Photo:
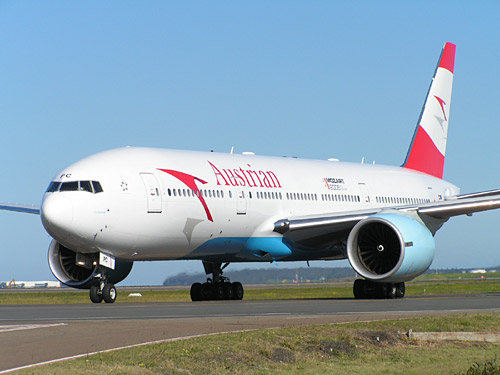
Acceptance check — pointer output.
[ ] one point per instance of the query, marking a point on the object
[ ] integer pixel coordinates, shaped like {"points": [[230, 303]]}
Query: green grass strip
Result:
{"points": [[424, 288]]}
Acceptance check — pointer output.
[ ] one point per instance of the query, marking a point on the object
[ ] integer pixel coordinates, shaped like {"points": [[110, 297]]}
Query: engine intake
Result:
{"points": [[390, 247], [77, 270]]}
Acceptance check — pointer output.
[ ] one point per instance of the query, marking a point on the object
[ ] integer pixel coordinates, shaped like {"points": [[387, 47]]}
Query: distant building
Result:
{"points": [[29, 284]]}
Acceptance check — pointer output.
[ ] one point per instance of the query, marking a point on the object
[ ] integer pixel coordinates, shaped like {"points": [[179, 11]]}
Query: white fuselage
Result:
{"points": [[166, 204]]}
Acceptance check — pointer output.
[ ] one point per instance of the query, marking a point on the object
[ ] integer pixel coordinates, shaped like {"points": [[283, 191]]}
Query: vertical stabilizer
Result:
{"points": [[428, 147]]}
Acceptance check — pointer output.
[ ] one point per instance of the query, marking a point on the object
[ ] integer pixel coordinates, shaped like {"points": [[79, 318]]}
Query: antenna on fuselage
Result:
{"points": [[232, 149]]}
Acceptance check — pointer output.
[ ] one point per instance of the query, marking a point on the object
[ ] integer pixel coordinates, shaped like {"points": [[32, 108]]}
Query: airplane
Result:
{"points": [[132, 204]]}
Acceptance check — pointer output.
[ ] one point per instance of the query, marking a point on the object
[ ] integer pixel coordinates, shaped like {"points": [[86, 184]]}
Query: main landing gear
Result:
{"points": [[365, 289], [218, 287], [103, 291]]}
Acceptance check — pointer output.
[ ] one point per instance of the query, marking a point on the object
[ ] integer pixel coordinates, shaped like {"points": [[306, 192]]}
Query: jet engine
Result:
{"points": [[390, 247], [78, 270]]}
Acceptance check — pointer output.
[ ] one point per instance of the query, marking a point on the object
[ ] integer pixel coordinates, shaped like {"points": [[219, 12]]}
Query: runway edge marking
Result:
{"points": [[24, 327]]}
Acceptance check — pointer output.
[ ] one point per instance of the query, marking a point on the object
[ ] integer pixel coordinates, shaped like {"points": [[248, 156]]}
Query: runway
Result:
{"points": [[32, 334]]}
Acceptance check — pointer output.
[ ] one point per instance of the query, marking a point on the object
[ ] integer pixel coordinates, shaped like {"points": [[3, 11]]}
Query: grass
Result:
{"points": [[418, 287], [458, 276], [354, 348]]}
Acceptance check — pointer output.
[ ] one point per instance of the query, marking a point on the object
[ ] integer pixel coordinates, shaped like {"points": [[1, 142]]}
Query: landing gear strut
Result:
{"points": [[103, 291], [218, 287], [365, 289]]}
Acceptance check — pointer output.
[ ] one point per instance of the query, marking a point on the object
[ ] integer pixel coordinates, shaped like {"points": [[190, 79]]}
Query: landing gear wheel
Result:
{"points": [[218, 291], [196, 292], [391, 291], [400, 290], [359, 289], [109, 293], [95, 296], [237, 291], [228, 291], [381, 291], [205, 292], [368, 289]]}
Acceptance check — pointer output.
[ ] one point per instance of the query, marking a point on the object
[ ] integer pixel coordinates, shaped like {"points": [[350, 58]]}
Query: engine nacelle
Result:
{"points": [[390, 247], [78, 270]]}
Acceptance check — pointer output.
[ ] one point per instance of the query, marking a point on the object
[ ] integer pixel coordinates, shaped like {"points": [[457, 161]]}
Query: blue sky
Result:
{"points": [[313, 79]]}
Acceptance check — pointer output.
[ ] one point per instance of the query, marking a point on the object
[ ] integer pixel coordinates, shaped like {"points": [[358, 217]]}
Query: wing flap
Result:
{"points": [[462, 206]]}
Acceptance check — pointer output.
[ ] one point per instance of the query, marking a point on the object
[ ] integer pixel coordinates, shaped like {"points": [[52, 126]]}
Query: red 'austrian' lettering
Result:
{"points": [[245, 177]]}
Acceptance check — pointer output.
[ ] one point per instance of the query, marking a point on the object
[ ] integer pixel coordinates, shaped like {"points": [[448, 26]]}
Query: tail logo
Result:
{"points": [[442, 104], [190, 182]]}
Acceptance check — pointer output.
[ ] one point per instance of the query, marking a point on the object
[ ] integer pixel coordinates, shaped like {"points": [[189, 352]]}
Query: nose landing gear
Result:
{"points": [[103, 291]]}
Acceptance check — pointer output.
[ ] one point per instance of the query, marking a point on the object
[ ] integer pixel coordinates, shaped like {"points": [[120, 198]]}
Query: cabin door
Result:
{"points": [[152, 191]]}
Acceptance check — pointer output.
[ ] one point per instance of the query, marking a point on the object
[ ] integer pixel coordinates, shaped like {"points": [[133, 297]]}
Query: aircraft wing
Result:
{"points": [[326, 230], [27, 209]]}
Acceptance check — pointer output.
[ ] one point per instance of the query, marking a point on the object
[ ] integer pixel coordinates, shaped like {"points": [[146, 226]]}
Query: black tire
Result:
{"points": [[359, 289], [218, 291], [228, 291], [196, 292], [391, 291], [95, 296], [400, 290], [109, 293], [237, 291], [381, 291], [205, 292]]}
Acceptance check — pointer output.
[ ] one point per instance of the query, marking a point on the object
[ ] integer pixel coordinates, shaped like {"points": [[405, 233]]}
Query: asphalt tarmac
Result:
{"points": [[38, 333]]}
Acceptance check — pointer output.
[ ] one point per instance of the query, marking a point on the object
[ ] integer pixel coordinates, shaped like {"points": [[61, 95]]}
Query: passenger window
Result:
{"points": [[97, 187], [169, 192], [69, 186], [85, 186]]}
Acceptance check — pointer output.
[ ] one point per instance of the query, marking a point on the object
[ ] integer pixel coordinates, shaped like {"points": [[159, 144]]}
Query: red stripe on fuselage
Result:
{"points": [[424, 155]]}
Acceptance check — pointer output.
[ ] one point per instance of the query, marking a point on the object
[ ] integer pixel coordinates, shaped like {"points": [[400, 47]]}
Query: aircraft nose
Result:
{"points": [[57, 215]]}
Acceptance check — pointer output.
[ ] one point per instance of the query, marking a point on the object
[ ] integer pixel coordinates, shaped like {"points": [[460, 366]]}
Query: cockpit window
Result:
{"points": [[69, 186], [88, 186], [54, 186], [97, 187]]}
